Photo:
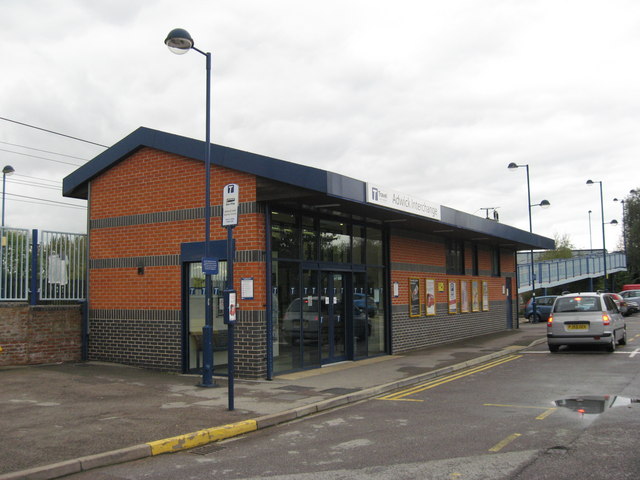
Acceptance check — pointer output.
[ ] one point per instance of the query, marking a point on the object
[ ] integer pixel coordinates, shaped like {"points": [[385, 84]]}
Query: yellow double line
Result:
{"points": [[400, 395]]}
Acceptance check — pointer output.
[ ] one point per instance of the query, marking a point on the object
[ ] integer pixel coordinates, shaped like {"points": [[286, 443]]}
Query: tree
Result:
{"points": [[631, 232], [564, 248]]}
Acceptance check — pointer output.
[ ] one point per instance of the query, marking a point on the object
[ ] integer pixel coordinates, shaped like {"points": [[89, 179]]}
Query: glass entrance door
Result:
{"points": [[332, 317], [195, 318]]}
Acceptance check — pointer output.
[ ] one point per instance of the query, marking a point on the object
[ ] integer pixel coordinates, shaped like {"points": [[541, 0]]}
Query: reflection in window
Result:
{"points": [[495, 262], [335, 242], [196, 319], [455, 257], [285, 238], [286, 290], [358, 244], [374, 246], [309, 238]]}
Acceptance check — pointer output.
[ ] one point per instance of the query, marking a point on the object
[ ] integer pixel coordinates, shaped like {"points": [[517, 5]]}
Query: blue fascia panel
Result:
{"points": [[347, 188], [484, 226]]}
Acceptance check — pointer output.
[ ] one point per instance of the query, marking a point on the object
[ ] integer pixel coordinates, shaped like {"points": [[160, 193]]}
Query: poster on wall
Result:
{"points": [[414, 297], [464, 296], [475, 296], [431, 297], [453, 297], [485, 296]]}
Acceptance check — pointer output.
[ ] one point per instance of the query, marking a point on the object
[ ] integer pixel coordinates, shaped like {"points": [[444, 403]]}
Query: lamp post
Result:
{"points": [[180, 42], [543, 204], [612, 222], [624, 223], [590, 240], [7, 170]]}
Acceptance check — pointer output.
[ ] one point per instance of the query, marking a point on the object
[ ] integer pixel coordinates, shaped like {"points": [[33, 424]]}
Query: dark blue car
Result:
{"points": [[543, 309]]}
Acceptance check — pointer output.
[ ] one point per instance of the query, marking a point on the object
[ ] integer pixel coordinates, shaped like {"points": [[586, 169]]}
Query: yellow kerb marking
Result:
{"points": [[201, 437]]}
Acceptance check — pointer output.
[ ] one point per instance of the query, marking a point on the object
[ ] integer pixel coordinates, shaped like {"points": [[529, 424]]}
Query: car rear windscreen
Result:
{"points": [[577, 304]]}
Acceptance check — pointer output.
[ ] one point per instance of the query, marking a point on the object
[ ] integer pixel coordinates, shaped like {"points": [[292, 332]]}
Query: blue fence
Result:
{"points": [[551, 273]]}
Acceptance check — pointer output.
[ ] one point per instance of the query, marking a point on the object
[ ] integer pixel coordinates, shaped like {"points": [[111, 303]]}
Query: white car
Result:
{"points": [[586, 319]]}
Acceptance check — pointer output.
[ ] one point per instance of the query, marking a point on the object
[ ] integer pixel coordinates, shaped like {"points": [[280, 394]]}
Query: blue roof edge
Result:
{"points": [[311, 178]]}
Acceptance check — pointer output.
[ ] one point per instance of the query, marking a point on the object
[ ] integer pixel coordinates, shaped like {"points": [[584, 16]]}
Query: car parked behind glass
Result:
{"points": [[543, 308], [586, 319]]}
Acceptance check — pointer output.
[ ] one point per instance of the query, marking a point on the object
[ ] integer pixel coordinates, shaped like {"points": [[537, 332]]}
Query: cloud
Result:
{"points": [[433, 98]]}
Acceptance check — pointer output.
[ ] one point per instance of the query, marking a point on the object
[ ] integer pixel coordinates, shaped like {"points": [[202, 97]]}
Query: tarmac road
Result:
{"points": [[59, 413]]}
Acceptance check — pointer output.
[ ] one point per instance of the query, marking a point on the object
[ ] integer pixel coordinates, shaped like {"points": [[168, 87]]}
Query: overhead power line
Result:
{"points": [[17, 181], [45, 200], [57, 182], [44, 151], [51, 131], [47, 204], [41, 158]]}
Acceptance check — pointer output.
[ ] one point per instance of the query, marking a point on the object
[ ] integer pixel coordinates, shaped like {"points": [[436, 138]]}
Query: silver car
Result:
{"points": [[632, 297], [586, 319]]}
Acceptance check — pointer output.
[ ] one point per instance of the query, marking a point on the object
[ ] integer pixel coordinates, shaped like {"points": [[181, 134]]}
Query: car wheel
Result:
{"points": [[623, 340], [612, 345], [534, 318], [554, 348]]}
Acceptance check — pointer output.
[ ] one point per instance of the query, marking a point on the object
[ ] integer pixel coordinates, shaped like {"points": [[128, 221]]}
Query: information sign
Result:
{"points": [[230, 202]]}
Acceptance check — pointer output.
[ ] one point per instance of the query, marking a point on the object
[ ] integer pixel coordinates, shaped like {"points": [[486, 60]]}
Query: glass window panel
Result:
{"points": [[375, 310], [287, 311], [358, 244], [309, 238], [335, 242], [374, 246], [285, 236], [363, 309]]}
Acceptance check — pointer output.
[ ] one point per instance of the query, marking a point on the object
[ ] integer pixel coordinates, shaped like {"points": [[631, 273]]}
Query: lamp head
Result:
{"points": [[8, 170], [589, 182], [545, 204], [179, 41], [512, 166], [613, 222]]}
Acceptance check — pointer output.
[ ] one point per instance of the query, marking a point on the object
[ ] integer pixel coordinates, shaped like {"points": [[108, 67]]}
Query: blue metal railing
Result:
{"points": [[551, 273]]}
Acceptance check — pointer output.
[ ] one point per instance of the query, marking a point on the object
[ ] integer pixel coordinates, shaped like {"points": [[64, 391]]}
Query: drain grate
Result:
{"points": [[207, 449]]}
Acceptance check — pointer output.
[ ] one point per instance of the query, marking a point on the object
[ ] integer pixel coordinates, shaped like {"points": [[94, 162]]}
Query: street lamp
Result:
{"points": [[612, 222], [543, 204], [180, 42], [624, 219], [7, 170]]}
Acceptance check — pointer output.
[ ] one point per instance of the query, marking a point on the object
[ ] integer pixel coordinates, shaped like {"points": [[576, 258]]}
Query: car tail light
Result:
{"points": [[605, 319], [550, 321]]}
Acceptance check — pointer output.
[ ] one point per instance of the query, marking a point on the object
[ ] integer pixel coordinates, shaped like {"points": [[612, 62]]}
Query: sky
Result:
{"points": [[430, 98]]}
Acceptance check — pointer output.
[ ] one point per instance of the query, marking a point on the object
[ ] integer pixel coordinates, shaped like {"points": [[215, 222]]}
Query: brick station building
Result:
{"points": [[327, 268]]}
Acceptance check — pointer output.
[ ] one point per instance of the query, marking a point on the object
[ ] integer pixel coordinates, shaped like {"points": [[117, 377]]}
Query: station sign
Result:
{"points": [[386, 197], [230, 202]]}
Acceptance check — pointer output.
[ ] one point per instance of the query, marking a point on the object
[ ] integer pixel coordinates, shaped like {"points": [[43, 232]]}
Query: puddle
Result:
{"points": [[594, 404]]}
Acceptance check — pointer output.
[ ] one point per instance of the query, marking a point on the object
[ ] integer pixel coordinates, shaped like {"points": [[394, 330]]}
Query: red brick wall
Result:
{"points": [[144, 184], [42, 334], [422, 258]]}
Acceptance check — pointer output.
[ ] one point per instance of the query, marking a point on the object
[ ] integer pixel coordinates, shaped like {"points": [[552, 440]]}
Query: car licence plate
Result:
{"points": [[578, 326]]}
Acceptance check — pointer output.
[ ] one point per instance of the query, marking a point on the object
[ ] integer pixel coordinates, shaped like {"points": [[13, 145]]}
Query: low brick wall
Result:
{"points": [[31, 335]]}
